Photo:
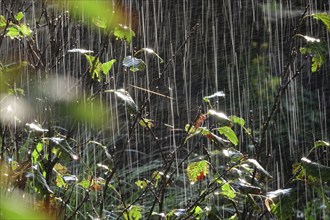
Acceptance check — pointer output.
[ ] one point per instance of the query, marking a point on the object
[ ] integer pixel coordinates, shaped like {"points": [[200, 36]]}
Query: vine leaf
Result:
{"points": [[197, 171], [95, 65], [134, 212], [19, 16], [227, 191]]}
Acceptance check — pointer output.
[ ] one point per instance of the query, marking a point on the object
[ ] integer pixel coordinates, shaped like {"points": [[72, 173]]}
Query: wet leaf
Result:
{"points": [[60, 168], [106, 67], [3, 22], [95, 66], [196, 171], [227, 191], [19, 16], [13, 32], [36, 152], [246, 188], [82, 51], [142, 183], [319, 144], [125, 96], [146, 123], [36, 127], [220, 117], [123, 32], [134, 212], [25, 31], [60, 182], [318, 51], [237, 120], [217, 94], [134, 64], [201, 118], [316, 170], [151, 51], [229, 133], [324, 17], [259, 167], [309, 39]]}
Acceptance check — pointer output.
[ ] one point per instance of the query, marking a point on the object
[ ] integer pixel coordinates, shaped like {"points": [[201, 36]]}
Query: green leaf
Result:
{"points": [[319, 144], [217, 94], [95, 66], [134, 212], [13, 32], [259, 167], [196, 171], [19, 16], [123, 32], [142, 183], [36, 152], [151, 51], [3, 22], [106, 67], [316, 170], [318, 51], [134, 64], [145, 122], [25, 30], [227, 191], [99, 22], [237, 120], [60, 181], [84, 183], [324, 17], [229, 133]]}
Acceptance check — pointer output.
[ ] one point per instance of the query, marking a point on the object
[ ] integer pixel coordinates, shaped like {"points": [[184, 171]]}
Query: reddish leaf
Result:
{"points": [[201, 176], [199, 121]]}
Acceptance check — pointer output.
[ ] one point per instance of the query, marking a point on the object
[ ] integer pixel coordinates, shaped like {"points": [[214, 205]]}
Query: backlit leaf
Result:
{"points": [[237, 120], [125, 96], [196, 171], [314, 169], [123, 32], [145, 122], [141, 183], [217, 94], [13, 32], [227, 191], [95, 66], [318, 51], [229, 133], [106, 67], [19, 16], [151, 51], [220, 117]]}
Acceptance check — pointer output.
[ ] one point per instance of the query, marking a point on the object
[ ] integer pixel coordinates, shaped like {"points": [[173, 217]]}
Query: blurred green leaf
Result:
{"points": [[25, 31], [99, 22], [141, 183], [145, 122], [319, 144], [3, 22], [19, 16]]}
